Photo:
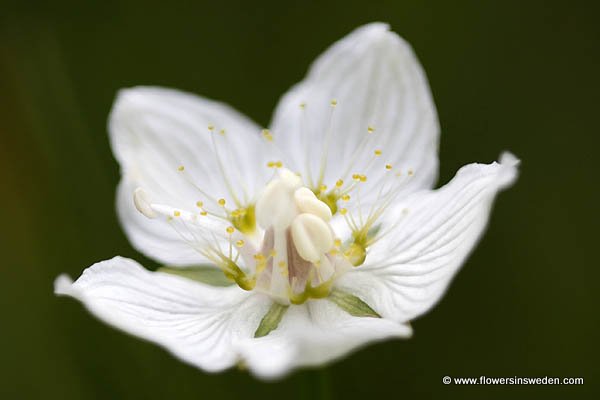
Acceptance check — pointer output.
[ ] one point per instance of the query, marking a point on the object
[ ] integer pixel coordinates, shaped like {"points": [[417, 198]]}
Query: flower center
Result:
{"points": [[298, 256]]}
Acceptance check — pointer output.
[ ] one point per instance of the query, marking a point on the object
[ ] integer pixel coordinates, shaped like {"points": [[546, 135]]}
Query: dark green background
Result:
{"points": [[505, 75]]}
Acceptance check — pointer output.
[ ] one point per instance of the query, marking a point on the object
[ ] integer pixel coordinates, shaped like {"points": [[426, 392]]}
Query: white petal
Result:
{"points": [[155, 131], [197, 323], [377, 82], [426, 239], [312, 334]]}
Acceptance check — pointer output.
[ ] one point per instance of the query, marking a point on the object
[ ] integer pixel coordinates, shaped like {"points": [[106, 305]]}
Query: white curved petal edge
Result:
{"points": [[197, 323], [155, 132], [315, 333], [425, 240], [213, 328], [377, 82]]}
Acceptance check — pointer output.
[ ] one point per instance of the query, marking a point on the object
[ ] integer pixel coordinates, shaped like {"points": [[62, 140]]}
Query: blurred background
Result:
{"points": [[505, 75]]}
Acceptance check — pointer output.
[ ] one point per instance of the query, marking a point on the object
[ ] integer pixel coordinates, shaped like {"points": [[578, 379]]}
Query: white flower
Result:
{"points": [[326, 223]]}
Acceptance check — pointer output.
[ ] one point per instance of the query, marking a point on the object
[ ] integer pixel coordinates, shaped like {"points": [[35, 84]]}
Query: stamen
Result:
{"points": [[222, 168], [142, 202], [327, 143]]}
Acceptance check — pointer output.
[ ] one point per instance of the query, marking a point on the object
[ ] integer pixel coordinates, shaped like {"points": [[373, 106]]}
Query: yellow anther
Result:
{"points": [[180, 168], [333, 103], [273, 253], [337, 242], [322, 188], [267, 135], [346, 197], [203, 213], [377, 152], [370, 129], [362, 178], [274, 164], [230, 229], [356, 177], [235, 213], [199, 204], [303, 105], [343, 211], [410, 172], [259, 257], [240, 243], [176, 213], [211, 128], [221, 202], [222, 132], [281, 264], [339, 183], [388, 166]]}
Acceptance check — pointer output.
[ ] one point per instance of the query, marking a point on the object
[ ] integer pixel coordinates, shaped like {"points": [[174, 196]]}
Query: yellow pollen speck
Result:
{"points": [[199, 204], [377, 152], [339, 183], [337, 242], [346, 197], [274, 164], [370, 129], [333, 103], [281, 263], [203, 213], [176, 213], [230, 229], [303, 105], [343, 211], [267, 135], [180, 168], [222, 132], [388, 166], [222, 202], [239, 243], [211, 128]]}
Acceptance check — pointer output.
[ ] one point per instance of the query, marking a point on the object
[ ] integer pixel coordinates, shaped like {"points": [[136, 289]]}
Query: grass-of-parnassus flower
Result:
{"points": [[293, 245]]}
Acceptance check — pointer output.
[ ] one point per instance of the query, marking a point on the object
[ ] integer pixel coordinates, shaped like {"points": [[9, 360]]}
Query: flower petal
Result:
{"points": [[314, 333], [377, 82], [425, 239], [162, 141], [197, 323]]}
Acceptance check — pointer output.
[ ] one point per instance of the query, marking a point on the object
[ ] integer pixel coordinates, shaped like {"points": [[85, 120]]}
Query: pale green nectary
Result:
{"points": [[291, 246]]}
